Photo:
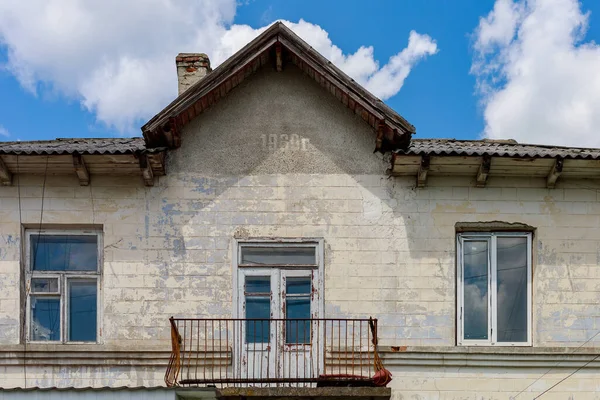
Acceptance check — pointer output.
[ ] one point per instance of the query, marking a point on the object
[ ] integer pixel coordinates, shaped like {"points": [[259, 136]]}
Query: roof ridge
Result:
{"points": [[82, 139], [102, 138], [507, 142], [110, 145]]}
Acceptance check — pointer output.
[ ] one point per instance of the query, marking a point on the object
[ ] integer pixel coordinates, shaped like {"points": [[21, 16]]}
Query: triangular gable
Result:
{"points": [[277, 46]]}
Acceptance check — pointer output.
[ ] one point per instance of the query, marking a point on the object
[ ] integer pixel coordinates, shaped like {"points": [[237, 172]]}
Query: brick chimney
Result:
{"points": [[191, 67]]}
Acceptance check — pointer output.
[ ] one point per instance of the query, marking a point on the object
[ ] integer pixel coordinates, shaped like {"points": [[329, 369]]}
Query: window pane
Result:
{"points": [[512, 289], [258, 308], [297, 285], [45, 318], [64, 252], [297, 331], [475, 256], [279, 255], [82, 311], [44, 285], [258, 284]]}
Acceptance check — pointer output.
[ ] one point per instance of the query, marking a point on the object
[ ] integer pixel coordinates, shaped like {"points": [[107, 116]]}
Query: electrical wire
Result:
{"points": [[18, 175], [557, 364], [54, 318], [93, 208], [568, 376], [36, 249]]}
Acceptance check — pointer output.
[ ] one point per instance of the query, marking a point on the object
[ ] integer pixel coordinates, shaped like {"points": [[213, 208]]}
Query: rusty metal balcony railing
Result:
{"points": [[275, 352]]}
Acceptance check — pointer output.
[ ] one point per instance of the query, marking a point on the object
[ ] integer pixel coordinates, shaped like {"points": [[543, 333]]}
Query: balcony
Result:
{"points": [[275, 353]]}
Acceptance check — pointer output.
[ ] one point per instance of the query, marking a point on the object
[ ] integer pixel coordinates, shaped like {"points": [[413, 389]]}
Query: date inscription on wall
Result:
{"points": [[274, 142]]}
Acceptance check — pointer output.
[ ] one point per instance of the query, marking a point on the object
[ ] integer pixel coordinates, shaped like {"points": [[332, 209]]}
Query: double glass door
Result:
{"points": [[277, 335], [278, 304]]}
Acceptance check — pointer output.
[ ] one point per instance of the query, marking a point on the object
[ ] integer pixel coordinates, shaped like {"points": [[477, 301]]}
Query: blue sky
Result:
{"points": [[440, 95]]}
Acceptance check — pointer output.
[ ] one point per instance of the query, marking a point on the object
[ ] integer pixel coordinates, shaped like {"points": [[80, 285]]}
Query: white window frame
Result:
{"points": [[64, 277], [491, 238]]}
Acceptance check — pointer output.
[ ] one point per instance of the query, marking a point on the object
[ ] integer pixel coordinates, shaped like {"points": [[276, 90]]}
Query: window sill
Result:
{"points": [[81, 347], [43, 345], [490, 356], [494, 346], [73, 356], [481, 349]]}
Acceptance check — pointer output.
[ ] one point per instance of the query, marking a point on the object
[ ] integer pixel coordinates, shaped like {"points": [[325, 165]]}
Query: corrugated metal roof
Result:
{"points": [[87, 389], [79, 145], [105, 393], [498, 148]]}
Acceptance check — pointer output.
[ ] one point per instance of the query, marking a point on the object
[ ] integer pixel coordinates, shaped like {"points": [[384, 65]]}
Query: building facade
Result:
{"points": [[256, 214]]}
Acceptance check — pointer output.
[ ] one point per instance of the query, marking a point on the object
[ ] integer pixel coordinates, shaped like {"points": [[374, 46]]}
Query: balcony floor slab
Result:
{"points": [[300, 393]]}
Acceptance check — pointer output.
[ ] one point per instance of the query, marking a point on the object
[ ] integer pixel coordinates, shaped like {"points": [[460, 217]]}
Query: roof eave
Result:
{"points": [[81, 157], [481, 159]]}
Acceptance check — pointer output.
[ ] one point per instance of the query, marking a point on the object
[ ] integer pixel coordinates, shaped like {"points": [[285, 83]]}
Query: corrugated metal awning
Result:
{"points": [[107, 393]]}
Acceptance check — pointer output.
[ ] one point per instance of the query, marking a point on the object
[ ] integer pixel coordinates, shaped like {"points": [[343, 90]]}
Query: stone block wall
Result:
{"points": [[389, 248], [389, 253]]}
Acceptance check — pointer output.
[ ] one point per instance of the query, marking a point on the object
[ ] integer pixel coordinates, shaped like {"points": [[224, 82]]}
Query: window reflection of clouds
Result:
{"points": [[475, 258], [512, 289]]}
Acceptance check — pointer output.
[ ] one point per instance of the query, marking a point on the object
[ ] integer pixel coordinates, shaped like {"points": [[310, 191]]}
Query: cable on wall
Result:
{"points": [[27, 289], [24, 324]]}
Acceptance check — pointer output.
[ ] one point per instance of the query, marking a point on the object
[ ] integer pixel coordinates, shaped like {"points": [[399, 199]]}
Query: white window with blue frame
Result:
{"points": [[63, 269]]}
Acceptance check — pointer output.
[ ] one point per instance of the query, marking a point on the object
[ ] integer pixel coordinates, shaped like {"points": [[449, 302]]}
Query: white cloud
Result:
{"points": [[4, 132], [384, 82], [388, 80], [537, 78], [117, 57]]}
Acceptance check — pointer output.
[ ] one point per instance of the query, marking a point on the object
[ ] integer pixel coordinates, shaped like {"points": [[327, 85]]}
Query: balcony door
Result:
{"points": [[279, 296]]}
